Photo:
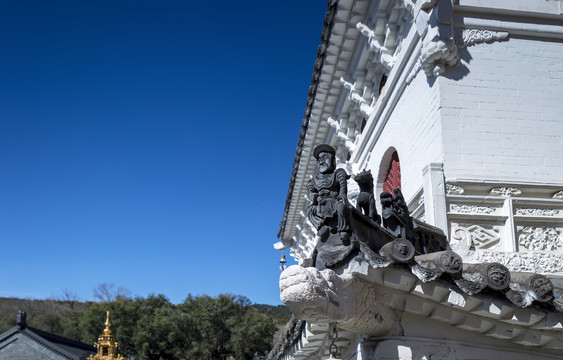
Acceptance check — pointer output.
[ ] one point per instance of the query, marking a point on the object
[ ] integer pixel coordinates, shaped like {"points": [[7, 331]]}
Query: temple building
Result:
{"points": [[24, 343], [446, 115]]}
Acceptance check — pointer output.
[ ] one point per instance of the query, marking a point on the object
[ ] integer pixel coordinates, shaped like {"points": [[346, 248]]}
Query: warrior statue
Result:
{"points": [[329, 192]]}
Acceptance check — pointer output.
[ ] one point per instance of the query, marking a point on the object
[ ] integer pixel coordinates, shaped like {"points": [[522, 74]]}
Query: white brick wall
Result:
{"points": [[503, 119], [414, 130]]}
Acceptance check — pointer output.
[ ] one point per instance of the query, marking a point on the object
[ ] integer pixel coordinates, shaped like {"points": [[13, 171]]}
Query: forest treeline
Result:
{"points": [[152, 328]]}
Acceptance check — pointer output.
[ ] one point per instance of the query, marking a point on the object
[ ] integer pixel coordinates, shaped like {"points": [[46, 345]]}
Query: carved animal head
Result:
{"points": [[310, 293], [365, 180]]}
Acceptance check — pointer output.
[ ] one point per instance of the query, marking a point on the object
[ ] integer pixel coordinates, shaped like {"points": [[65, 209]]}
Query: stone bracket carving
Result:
{"points": [[439, 51], [356, 98], [347, 141], [469, 37], [384, 55]]}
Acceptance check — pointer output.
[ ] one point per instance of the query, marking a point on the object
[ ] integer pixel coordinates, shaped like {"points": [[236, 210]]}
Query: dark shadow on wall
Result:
{"points": [[459, 72]]}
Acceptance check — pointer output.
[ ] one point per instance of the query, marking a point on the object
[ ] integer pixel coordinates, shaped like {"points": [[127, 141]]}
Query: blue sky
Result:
{"points": [[149, 143]]}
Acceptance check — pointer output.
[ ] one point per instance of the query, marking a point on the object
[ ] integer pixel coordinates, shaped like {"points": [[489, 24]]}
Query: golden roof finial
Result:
{"points": [[107, 330], [106, 345]]}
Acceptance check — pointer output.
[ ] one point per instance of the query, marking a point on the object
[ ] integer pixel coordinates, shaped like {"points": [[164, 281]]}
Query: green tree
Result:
{"points": [[226, 327], [159, 333], [124, 316], [253, 334]]}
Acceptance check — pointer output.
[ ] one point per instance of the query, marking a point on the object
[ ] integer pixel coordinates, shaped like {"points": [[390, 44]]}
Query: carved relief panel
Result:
{"points": [[519, 226]]}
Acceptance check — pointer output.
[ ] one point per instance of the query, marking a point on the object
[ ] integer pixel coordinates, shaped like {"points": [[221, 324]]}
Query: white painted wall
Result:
{"points": [[414, 130], [503, 119]]}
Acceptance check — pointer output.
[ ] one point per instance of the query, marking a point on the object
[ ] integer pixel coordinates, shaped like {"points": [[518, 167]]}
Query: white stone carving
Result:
{"points": [[505, 191], [544, 263], [468, 37], [384, 55], [437, 56], [324, 296], [472, 209], [476, 235], [539, 238], [537, 212], [341, 135], [558, 195], [355, 97], [454, 189]]}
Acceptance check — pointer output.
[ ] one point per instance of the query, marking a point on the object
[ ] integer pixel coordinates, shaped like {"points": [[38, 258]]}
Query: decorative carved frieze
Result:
{"points": [[471, 209], [452, 189], [480, 237], [537, 212], [505, 191], [468, 37], [558, 195], [539, 238], [533, 262]]}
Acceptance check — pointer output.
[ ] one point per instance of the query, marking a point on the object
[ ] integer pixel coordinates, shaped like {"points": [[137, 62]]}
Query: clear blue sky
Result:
{"points": [[149, 143]]}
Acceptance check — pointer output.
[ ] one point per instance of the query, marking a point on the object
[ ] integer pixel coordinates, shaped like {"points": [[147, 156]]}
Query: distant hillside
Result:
{"points": [[279, 313], [35, 309]]}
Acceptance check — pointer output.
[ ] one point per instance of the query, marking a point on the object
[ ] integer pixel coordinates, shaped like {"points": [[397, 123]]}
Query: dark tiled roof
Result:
{"points": [[69, 349]]}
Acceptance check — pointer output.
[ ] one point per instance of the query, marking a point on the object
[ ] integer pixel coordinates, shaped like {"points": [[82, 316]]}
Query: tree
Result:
{"points": [[253, 334], [225, 327], [124, 317], [160, 331], [105, 292]]}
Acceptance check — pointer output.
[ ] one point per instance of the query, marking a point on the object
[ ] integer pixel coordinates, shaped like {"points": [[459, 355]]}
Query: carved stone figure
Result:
{"points": [[366, 198], [328, 190], [393, 215], [397, 221]]}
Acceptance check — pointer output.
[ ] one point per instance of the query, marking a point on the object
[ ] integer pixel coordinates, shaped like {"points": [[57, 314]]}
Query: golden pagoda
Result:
{"points": [[106, 345]]}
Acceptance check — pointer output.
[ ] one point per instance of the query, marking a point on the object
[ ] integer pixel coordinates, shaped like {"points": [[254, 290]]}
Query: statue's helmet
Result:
{"points": [[323, 148]]}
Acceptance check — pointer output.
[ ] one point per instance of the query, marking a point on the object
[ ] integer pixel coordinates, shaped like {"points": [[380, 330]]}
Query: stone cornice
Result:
{"points": [[398, 293]]}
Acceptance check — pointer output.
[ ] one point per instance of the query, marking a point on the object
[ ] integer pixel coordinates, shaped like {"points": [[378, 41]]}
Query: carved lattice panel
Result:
{"points": [[478, 236]]}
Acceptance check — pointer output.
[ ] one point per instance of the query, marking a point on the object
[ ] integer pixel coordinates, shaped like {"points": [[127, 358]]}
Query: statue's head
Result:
{"points": [[325, 155], [386, 200]]}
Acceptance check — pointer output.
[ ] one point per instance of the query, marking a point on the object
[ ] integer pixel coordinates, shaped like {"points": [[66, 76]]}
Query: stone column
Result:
{"points": [[434, 188]]}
